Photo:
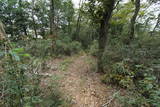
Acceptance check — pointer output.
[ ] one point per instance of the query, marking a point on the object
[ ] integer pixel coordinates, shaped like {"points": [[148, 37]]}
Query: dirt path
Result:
{"points": [[82, 85]]}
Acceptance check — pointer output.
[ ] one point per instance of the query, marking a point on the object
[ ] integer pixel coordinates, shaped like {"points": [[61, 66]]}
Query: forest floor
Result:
{"points": [[80, 83]]}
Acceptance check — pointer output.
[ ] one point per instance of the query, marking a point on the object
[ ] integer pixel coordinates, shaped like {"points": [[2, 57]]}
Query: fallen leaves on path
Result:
{"points": [[82, 85]]}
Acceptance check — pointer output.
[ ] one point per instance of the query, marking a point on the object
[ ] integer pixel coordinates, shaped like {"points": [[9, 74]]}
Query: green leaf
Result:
{"points": [[18, 50], [14, 56], [149, 86], [2, 54], [26, 55]]}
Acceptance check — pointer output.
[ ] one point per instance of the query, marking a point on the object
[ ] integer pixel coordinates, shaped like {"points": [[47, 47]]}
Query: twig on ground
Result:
{"points": [[112, 98]]}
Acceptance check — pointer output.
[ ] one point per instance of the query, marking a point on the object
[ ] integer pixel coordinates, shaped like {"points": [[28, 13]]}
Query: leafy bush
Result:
{"points": [[132, 99], [120, 75], [39, 48], [111, 56], [94, 48], [64, 65], [145, 94], [137, 79], [66, 47], [19, 84], [20, 81], [52, 96], [135, 68], [150, 90]]}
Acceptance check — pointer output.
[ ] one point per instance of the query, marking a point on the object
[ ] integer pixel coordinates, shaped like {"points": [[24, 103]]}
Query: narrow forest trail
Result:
{"points": [[81, 84]]}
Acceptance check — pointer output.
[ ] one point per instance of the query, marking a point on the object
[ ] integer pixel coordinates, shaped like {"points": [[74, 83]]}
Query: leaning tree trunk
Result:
{"points": [[103, 33], [133, 20], [2, 32], [157, 25]]}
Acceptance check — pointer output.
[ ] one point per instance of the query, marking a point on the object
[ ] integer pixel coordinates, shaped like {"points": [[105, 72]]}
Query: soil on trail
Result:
{"points": [[81, 84]]}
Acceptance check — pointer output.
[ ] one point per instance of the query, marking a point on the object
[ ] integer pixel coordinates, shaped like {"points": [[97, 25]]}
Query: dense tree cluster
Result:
{"points": [[34, 17]]}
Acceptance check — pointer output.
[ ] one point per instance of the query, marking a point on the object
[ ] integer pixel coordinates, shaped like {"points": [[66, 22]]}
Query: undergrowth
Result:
{"points": [[20, 79], [64, 65], [134, 68]]}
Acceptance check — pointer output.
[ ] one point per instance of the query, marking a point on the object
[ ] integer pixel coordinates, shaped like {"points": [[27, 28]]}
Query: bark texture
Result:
{"points": [[157, 24], [133, 20], [78, 26], [52, 26], [2, 32], [103, 32], [33, 19]]}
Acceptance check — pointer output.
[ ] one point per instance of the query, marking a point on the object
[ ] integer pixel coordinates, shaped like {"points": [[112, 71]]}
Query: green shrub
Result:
{"points": [[52, 96], [139, 80], [20, 85], [66, 47], [150, 90], [39, 48], [64, 65], [132, 99], [94, 48], [135, 67], [42, 48], [120, 75], [75, 46]]}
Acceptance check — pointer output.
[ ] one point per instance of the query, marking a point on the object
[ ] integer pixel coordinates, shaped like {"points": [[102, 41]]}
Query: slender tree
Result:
{"points": [[22, 17], [133, 20], [78, 27], [157, 25], [33, 19], [2, 32], [52, 17]]}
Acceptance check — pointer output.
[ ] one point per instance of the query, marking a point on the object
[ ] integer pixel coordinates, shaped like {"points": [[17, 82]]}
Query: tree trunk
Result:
{"points": [[133, 20], [24, 27], [2, 32], [12, 30], [78, 27], [35, 30], [103, 33], [52, 23], [25, 30], [69, 27], [52, 28], [34, 23]]}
